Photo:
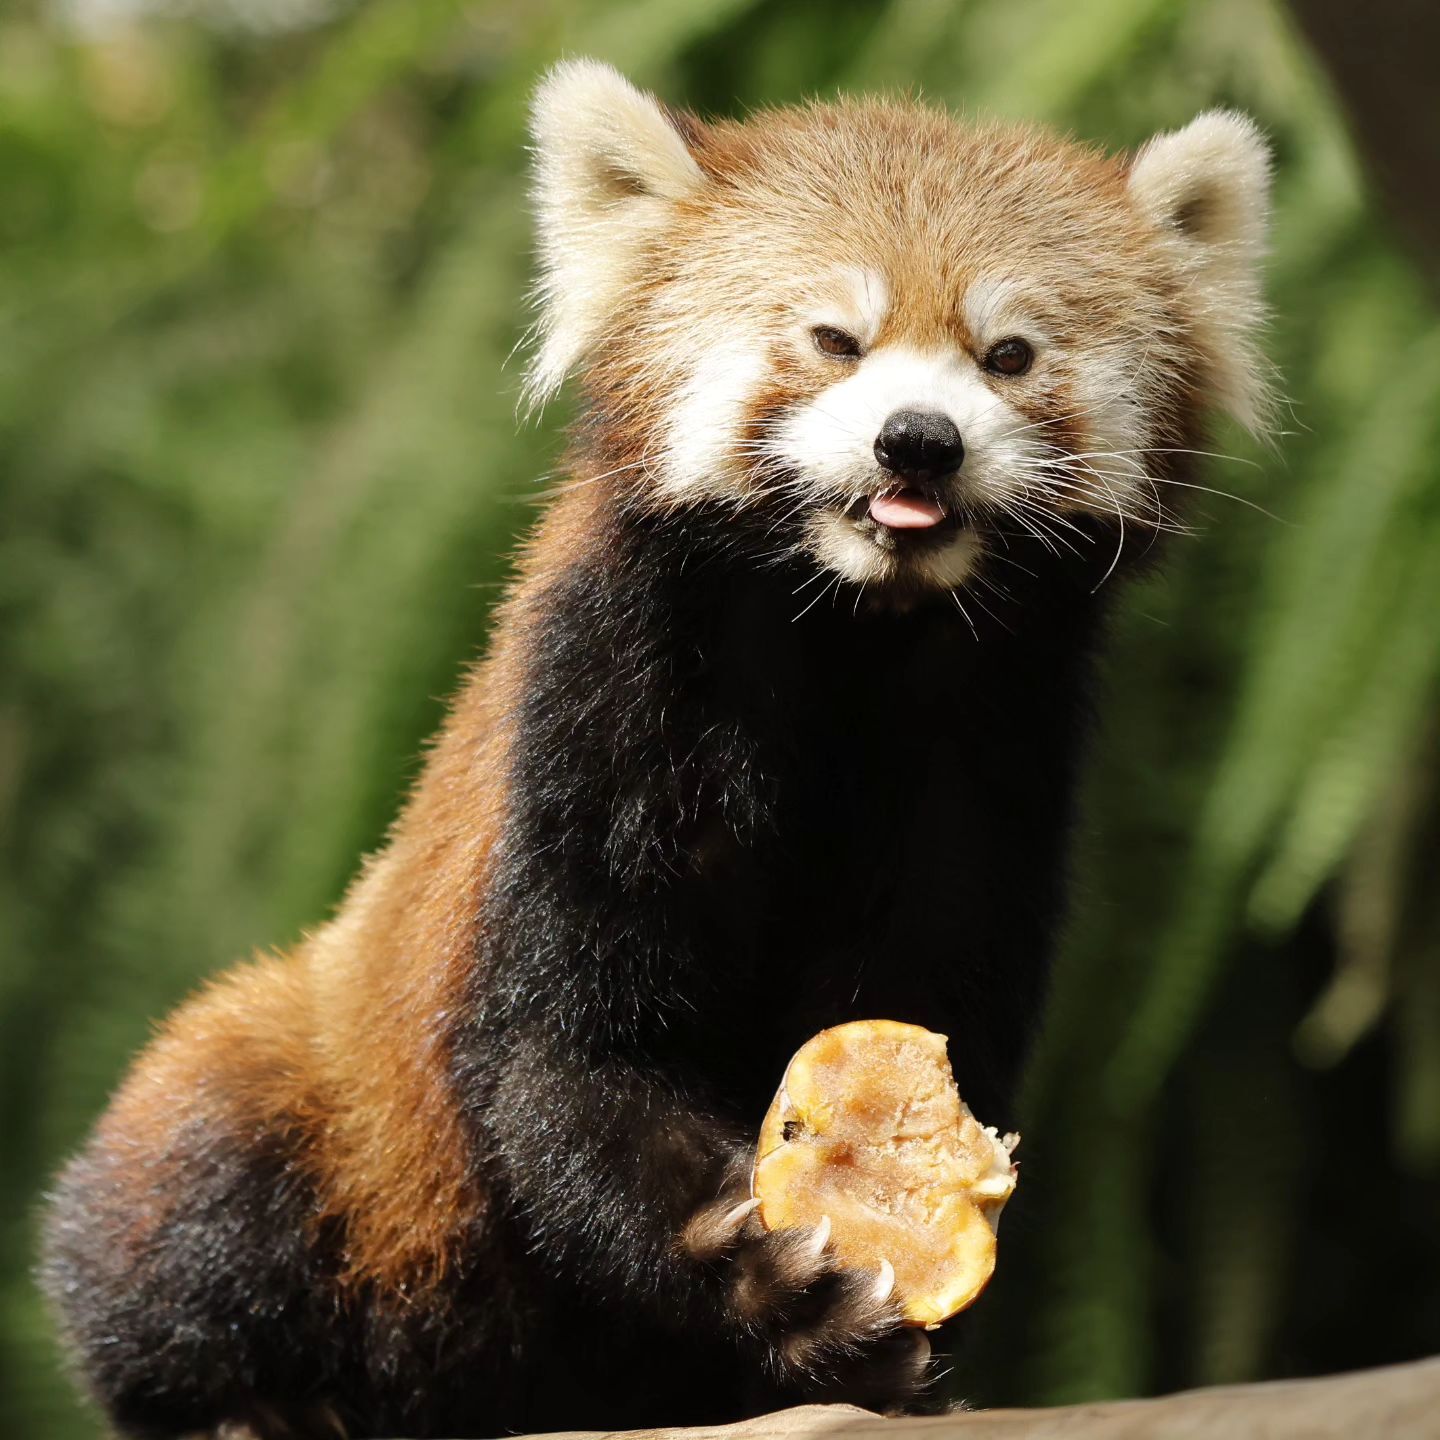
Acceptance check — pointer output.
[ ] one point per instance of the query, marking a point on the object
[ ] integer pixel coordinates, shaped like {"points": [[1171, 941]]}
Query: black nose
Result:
{"points": [[920, 445]]}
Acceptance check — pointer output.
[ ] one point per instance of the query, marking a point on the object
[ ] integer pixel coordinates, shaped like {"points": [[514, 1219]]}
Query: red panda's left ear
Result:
{"points": [[1206, 188], [610, 165]]}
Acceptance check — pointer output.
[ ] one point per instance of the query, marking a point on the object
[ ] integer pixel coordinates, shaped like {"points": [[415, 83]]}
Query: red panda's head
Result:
{"points": [[905, 335]]}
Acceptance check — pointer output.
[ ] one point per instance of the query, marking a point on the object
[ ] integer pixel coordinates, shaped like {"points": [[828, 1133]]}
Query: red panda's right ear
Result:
{"points": [[609, 166]]}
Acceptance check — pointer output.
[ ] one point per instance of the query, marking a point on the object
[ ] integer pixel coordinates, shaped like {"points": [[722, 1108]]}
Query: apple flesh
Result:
{"points": [[868, 1139]]}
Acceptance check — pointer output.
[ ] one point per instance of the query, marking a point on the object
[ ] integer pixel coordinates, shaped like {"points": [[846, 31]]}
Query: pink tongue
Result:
{"points": [[905, 510]]}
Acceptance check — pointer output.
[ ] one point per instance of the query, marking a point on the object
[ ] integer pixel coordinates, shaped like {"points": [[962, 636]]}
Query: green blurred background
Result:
{"points": [[261, 268]]}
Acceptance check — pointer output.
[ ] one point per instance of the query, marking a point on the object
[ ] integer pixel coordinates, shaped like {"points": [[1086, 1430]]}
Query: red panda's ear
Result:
{"points": [[1206, 188], [610, 163]]}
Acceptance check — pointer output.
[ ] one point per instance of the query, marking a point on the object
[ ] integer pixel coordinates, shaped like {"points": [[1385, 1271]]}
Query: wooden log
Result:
{"points": [[1398, 1402]]}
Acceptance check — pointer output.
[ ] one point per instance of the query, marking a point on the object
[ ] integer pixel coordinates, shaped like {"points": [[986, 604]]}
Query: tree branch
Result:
{"points": [[1399, 1400]]}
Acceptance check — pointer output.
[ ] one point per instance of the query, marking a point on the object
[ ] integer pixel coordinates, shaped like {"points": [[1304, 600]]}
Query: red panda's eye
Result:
{"points": [[1009, 357], [830, 341]]}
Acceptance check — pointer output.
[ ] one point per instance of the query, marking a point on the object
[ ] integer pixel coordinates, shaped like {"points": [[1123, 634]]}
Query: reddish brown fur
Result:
{"points": [[966, 201], [298, 1034], [391, 1157], [345, 1082], [347, 1036]]}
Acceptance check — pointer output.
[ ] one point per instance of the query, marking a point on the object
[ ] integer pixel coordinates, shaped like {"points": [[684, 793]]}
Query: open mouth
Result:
{"points": [[905, 513]]}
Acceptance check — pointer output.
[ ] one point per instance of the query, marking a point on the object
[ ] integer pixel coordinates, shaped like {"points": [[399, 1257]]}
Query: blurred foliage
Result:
{"points": [[262, 269]]}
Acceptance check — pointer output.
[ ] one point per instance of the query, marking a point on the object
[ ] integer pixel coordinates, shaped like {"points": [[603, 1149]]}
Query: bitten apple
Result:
{"points": [[868, 1139]]}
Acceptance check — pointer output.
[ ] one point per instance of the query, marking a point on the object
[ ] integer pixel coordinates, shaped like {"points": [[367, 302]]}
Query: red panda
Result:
{"points": [[779, 728]]}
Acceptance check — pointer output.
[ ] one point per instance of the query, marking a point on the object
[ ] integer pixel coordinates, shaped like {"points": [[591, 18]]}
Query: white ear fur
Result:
{"points": [[1207, 187], [609, 165]]}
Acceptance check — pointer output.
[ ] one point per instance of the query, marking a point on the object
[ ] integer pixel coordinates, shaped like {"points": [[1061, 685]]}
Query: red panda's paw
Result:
{"points": [[840, 1337], [827, 1333]]}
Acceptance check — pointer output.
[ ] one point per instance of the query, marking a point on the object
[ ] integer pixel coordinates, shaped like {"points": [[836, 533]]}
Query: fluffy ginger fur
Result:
{"points": [[743, 761]]}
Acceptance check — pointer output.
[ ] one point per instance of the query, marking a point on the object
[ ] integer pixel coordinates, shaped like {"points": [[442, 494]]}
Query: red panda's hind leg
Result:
{"points": [[191, 1284]]}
